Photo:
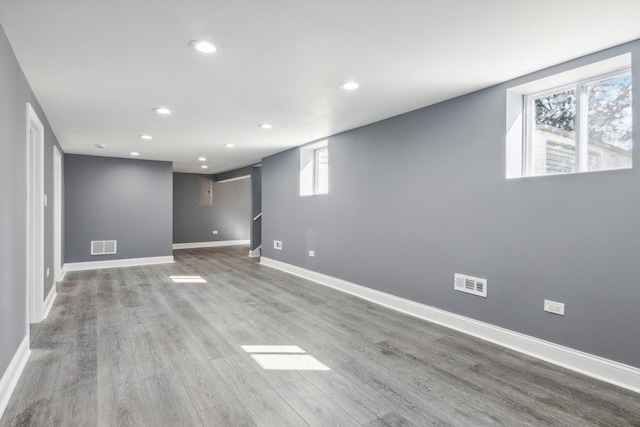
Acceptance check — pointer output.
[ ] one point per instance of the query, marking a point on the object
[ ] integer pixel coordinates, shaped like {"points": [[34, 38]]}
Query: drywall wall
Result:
{"points": [[14, 95], [229, 214], [421, 196], [236, 173], [256, 207], [117, 199]]}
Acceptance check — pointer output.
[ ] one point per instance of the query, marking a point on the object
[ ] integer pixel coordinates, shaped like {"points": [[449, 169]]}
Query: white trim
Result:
{"points": [[195, 245], [48, 302], [308, 167], [238, 178], [12, 374], [63, 272], [594, 366], [116, 263], [256, 253], [35, 217], [57, 214]]}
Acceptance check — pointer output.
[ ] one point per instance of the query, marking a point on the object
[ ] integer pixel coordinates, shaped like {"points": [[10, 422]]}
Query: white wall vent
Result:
{"points": [[471, 285], [104, 247]]}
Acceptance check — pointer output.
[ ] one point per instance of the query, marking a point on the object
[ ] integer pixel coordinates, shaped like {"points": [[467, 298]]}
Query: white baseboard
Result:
{"points": [[114, 263], [48, 302], [11, 376], [256, 253], [63, 272], [195, 245], [594, 366]]}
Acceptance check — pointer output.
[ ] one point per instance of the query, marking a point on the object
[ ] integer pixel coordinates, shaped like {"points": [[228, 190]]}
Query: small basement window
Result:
{"points": [[314, 169], [576, 121]]}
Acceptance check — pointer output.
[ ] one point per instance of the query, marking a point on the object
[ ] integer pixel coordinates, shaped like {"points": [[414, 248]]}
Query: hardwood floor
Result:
{"points": [[129, 346]]}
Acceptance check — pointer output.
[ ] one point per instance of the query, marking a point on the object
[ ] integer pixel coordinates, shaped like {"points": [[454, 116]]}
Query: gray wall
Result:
{"points": [[14, 94], [233, 173], [419, 197], [230, 212], [256, 207], [117, 199]]}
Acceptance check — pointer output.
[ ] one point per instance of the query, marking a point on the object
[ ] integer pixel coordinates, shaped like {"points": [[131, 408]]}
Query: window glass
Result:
{"points": [[609, 123], [554, 138], [322, 170]]}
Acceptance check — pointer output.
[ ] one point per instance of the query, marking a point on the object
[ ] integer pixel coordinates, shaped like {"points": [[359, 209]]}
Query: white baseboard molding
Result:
{"points": [[11, 376], [115, 263], [48, 302], [195, 245], [594, 366], [63, 272], [256, 253]]}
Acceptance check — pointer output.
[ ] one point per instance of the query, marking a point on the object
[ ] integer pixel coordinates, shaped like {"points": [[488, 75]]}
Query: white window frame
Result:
{"points": [[520, 116], [309, 162], [580, 129], [316, 173]]}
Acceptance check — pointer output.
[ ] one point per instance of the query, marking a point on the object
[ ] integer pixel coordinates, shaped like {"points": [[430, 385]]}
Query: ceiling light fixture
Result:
{"points": [[202, 159], [203, 46], [162, 111], [135, 153], [266, 126], [204, 166], [229, 145], [349, 86], [101, 146], [147, 137]]}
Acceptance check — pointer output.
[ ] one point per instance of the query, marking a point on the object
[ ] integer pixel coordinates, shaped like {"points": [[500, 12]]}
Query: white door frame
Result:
{"points": [[35, 217], [57, 214]]}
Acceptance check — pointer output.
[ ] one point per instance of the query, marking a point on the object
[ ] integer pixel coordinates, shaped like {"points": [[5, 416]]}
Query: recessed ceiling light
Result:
{"points": [[229, 145], [202, 159], [163, 111], [349, 86], [204, 166], [203, 46], [135, 153], [266, 126], [146, 137]]}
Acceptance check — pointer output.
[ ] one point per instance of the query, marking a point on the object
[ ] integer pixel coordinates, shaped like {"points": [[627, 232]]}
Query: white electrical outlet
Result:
{"points": [[215, 232], [312, 253], [277, 244], [46, 202], [47, 271], [554, 307]]}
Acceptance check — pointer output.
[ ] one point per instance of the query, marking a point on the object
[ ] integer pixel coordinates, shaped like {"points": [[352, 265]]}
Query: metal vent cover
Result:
{"points": [[104, 247], [471, 285]]}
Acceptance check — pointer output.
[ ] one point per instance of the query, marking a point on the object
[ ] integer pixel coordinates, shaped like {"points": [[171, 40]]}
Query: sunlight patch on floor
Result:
{"points": [[187, 279], [272, 349], [284, 358]]}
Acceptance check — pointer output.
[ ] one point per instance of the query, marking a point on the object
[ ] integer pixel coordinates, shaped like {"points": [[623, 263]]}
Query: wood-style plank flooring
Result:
{"points": [[128, 346]]}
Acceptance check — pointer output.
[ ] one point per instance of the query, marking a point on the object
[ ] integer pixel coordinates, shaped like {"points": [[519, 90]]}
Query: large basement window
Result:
{"points": [[577, 121], [314, 169]]}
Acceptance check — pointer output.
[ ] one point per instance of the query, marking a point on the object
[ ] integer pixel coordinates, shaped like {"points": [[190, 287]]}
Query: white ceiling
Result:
{"points": [[100, 67]]}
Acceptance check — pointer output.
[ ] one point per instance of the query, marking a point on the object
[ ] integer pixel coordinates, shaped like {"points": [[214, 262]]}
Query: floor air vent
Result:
{"points": [[470, 285], [103, 247]]}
